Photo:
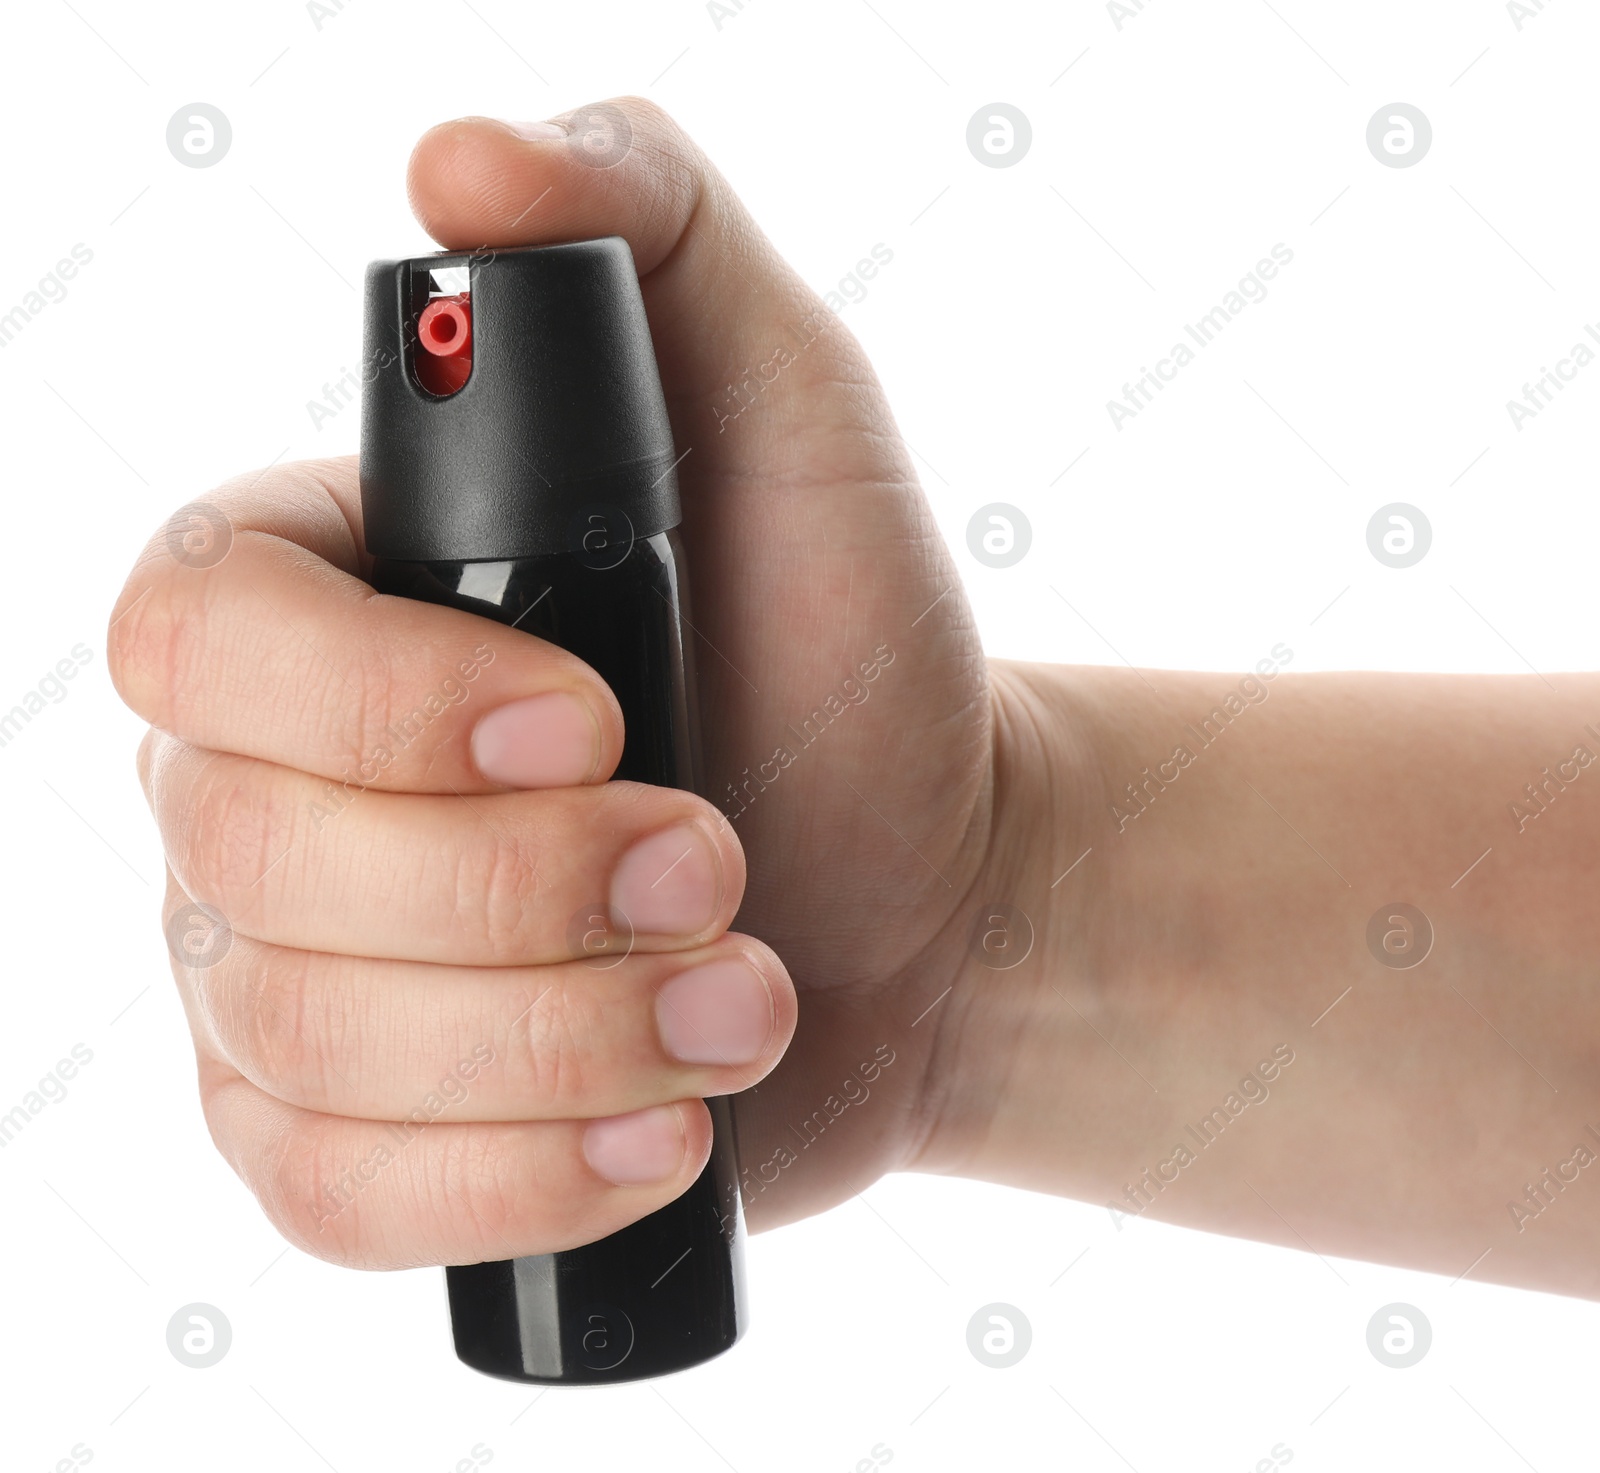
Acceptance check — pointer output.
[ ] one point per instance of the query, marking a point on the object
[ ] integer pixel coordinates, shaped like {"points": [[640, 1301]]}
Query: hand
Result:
{"points": [[402, 944]]}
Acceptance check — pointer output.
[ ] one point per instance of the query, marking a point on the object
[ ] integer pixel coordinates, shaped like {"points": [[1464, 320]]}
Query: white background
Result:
{"points": [[1172, 155]]}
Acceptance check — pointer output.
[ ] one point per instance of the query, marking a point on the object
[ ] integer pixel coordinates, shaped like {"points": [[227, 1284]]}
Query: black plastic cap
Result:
{"points": [[562, 420]]}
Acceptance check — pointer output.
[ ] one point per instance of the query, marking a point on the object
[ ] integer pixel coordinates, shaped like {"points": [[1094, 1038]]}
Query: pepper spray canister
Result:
{"points": [[517, 462]]}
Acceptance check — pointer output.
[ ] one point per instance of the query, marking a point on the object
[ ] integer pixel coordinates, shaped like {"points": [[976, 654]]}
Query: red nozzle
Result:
{"points": [[444, 335]]}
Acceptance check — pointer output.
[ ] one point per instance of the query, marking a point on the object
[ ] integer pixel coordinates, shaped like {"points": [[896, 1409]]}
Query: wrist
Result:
{"points": [[1025, 940]]}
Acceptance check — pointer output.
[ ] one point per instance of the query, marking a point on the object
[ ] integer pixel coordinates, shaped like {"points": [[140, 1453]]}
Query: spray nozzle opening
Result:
{"points": [[445, 327], [444, 337]]}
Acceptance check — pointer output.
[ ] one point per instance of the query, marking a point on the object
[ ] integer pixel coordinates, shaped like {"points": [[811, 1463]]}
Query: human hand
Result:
{"points": [[383, 943]]}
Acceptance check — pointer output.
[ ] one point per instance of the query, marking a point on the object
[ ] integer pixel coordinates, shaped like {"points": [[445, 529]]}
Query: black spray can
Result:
{"points": [[517, 462]]}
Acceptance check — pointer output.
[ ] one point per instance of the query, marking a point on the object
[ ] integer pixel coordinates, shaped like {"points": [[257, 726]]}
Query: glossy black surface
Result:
{"points": [[667, 1292]]}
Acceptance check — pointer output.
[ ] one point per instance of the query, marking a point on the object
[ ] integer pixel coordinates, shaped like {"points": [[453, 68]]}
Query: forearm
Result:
{"points": [[1219, 912]]}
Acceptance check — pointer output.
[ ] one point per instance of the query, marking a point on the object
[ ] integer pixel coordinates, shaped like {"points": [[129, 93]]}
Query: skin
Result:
{"points": [[374, 950]]}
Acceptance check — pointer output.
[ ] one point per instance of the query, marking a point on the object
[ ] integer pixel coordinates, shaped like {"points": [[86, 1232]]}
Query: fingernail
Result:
{"points": [[720, 1013], [635, 1149], [548, 741], [668, 884], [537, 130]]}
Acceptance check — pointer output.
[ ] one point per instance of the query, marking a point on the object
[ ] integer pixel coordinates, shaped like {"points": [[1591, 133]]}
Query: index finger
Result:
{"points": [[246, 627]]}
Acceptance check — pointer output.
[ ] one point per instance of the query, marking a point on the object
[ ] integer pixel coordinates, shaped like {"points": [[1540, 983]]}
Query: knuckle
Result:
{"points": [[649, 112], [145, 646], [298, 1190], [551, 1051], [318, 1191], [345, 710], [400, 710], [265, 1027], [233, 822], [496, 890], [484, 1188], [290, 1182]]}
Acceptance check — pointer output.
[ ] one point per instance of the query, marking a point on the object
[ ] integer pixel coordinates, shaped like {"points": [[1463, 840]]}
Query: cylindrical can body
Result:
{"points": [[668, 1291]]}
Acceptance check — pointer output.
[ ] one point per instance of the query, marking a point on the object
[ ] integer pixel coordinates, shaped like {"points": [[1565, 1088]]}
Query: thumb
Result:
{"points": [[812, 548], [722, 302]]}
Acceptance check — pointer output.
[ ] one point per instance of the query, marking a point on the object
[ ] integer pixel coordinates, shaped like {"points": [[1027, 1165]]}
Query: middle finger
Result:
{"points": [[507, 879]]}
